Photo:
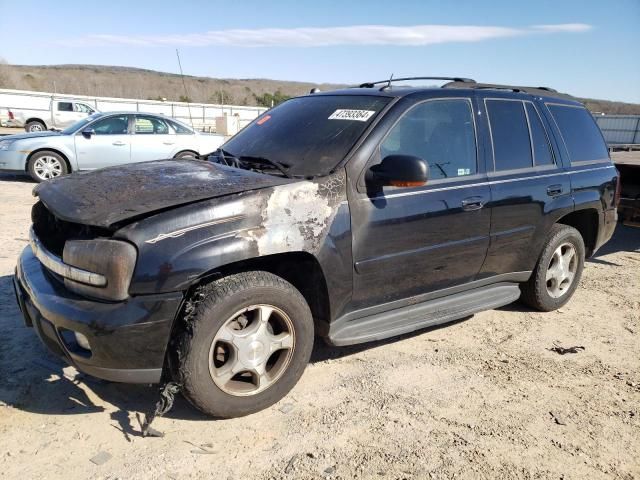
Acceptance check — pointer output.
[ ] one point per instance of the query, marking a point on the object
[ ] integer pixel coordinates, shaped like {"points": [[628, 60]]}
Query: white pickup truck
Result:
{"points": [[49, 113]]}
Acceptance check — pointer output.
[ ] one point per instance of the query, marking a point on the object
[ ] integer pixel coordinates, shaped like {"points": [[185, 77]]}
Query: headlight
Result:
{"points": [[5, 144], [113, 259]]}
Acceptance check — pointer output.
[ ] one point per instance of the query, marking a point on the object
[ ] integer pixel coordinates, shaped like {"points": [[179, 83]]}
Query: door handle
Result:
{"points": [[553, 190], [472, 203], [119, 144], [168, 143]]}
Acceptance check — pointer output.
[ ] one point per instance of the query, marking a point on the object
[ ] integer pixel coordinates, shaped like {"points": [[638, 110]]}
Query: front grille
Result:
{"points": [[53, 232]]}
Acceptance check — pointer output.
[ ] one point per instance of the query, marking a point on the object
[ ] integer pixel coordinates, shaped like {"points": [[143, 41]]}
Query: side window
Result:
{"points": [[439, 131], [509, 134], [150, 125], [81, 107], [180, 129], [541, 148], [117, 125], [580, 133], [65, 107]]}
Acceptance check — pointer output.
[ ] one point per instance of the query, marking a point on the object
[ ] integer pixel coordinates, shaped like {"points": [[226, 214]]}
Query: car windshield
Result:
{"points": [[307, 136], [79, 124]]}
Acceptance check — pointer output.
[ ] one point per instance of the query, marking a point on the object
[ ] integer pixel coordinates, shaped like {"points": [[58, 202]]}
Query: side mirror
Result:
{"points": [[88, 132], [399, 171]]}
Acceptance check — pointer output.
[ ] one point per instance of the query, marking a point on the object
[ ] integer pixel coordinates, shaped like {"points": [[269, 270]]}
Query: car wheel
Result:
{"points": [[46, 165], [246, 343], [186, 154], [558, 271], [35, 126]]}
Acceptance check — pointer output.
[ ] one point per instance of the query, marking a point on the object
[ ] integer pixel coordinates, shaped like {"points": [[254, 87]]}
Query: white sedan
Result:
{"points": [[102, 140]]}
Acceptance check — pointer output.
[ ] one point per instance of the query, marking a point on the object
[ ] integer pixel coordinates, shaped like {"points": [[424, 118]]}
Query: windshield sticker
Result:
{"points": [[357, 115], [263, 119]]}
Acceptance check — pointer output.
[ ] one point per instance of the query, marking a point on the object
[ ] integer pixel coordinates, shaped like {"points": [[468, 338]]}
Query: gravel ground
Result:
{"points": [[480, 398]]}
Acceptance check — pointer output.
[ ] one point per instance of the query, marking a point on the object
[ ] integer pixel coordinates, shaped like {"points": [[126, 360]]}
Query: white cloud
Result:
{"points": [[331, 36], [564, 27]]}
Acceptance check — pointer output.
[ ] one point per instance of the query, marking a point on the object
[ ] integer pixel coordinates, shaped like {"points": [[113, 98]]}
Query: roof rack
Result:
{"points": [[388, 82], [512, 88]]}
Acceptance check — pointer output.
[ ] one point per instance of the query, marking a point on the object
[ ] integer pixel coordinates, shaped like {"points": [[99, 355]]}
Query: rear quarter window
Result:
{"points": [[579, 132]]}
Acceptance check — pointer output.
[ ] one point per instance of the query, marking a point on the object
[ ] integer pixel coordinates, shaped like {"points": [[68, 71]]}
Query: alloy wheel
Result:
{"points": [[251, 350], [47, 167], [561, 270]]}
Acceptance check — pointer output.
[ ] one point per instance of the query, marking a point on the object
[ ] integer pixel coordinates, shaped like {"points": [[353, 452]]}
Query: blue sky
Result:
{"points": [[587, 48]]}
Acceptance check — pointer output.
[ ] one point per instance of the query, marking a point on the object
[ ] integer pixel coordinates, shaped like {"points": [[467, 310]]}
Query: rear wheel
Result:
{"points": [[186, 154], [35, 126], [46, 165], [558, 270], [245, 345]]}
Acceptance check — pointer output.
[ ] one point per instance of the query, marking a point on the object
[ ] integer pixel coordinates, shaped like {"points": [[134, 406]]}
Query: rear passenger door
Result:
{"points": [[527, 182], [152, 139]]}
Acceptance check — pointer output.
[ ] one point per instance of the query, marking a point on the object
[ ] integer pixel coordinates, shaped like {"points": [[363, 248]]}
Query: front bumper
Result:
{"points": [[13, 160], [128, 339]]}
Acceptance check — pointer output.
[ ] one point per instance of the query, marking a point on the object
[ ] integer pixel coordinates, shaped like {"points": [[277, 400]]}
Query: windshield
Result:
{"points": [[307, 136], [79, 124]]}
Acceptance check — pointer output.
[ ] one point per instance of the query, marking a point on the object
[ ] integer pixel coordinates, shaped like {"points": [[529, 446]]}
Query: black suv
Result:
{"points": [[352, 215]]}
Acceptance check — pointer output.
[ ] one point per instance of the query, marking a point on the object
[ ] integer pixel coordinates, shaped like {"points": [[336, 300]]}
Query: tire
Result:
{"points": [[35, 126], [186, 154], [46, 165], [544, 290], [205, 360]]}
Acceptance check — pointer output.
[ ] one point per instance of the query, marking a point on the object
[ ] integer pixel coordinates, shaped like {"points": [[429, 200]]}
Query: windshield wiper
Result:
{"points": [[246, 161], [265, 161], [224, 158]]}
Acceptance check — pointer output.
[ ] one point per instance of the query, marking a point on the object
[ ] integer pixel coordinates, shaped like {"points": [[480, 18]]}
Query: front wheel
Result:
{"points": [[558, 271], [46, 165], [245, 344]]}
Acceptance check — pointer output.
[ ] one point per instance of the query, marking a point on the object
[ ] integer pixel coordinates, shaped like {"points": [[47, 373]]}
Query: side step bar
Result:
{"points": [[414, 317]]}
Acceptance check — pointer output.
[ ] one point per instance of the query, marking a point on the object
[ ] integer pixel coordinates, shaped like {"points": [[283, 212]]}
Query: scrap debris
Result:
{"points": [[557, 418], [100, 458], [564, 350], [164, 404]]}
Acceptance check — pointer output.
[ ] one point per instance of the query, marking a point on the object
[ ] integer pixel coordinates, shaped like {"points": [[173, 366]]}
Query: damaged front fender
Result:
{"points": [[178, 247]]}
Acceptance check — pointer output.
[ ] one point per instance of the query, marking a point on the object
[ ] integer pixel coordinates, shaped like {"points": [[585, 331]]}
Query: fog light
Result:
{"points": [[82, 341]]}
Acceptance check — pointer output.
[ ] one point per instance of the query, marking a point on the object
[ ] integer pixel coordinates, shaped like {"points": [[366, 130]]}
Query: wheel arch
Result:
{"points": [[301, 269], [35, 119], [185, 150], [587, 222]]}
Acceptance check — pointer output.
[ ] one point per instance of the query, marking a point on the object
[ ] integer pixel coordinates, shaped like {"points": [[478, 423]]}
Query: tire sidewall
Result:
{"points": [[566, 234], [194, 372]]}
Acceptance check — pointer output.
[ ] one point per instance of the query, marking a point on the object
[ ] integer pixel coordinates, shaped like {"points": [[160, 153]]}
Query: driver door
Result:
{"points": [[410, 241], [109, 145]]}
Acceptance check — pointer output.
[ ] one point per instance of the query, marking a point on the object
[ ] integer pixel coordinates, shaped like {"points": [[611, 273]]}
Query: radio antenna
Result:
{"points": [[186, 93], [388, 85]]}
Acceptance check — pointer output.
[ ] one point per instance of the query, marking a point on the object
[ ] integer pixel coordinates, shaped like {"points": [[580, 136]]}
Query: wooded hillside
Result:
{"points": [[126, 82]]}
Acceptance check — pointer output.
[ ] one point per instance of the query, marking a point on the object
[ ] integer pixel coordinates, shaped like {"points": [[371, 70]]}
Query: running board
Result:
{"points": [[427, 314]]}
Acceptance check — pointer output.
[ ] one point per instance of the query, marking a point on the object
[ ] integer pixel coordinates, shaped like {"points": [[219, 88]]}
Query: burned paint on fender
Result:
{"points": [[178, 246], [295, 218]]}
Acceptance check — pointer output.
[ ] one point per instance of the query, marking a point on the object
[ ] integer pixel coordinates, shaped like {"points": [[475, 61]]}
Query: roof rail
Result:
{"points": [[391, 80], [512, 88]]}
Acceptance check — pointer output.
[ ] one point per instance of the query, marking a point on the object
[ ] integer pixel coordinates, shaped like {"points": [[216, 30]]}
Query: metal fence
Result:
{"points": [[620, 129], [202, 115]]}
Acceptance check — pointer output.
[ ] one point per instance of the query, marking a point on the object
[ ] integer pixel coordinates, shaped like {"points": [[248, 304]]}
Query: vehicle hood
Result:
{"points": [[25, 136], [113, 195]]}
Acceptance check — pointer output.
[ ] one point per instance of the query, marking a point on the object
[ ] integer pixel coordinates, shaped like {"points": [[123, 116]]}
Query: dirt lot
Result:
{"points": [[482, 398]]}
